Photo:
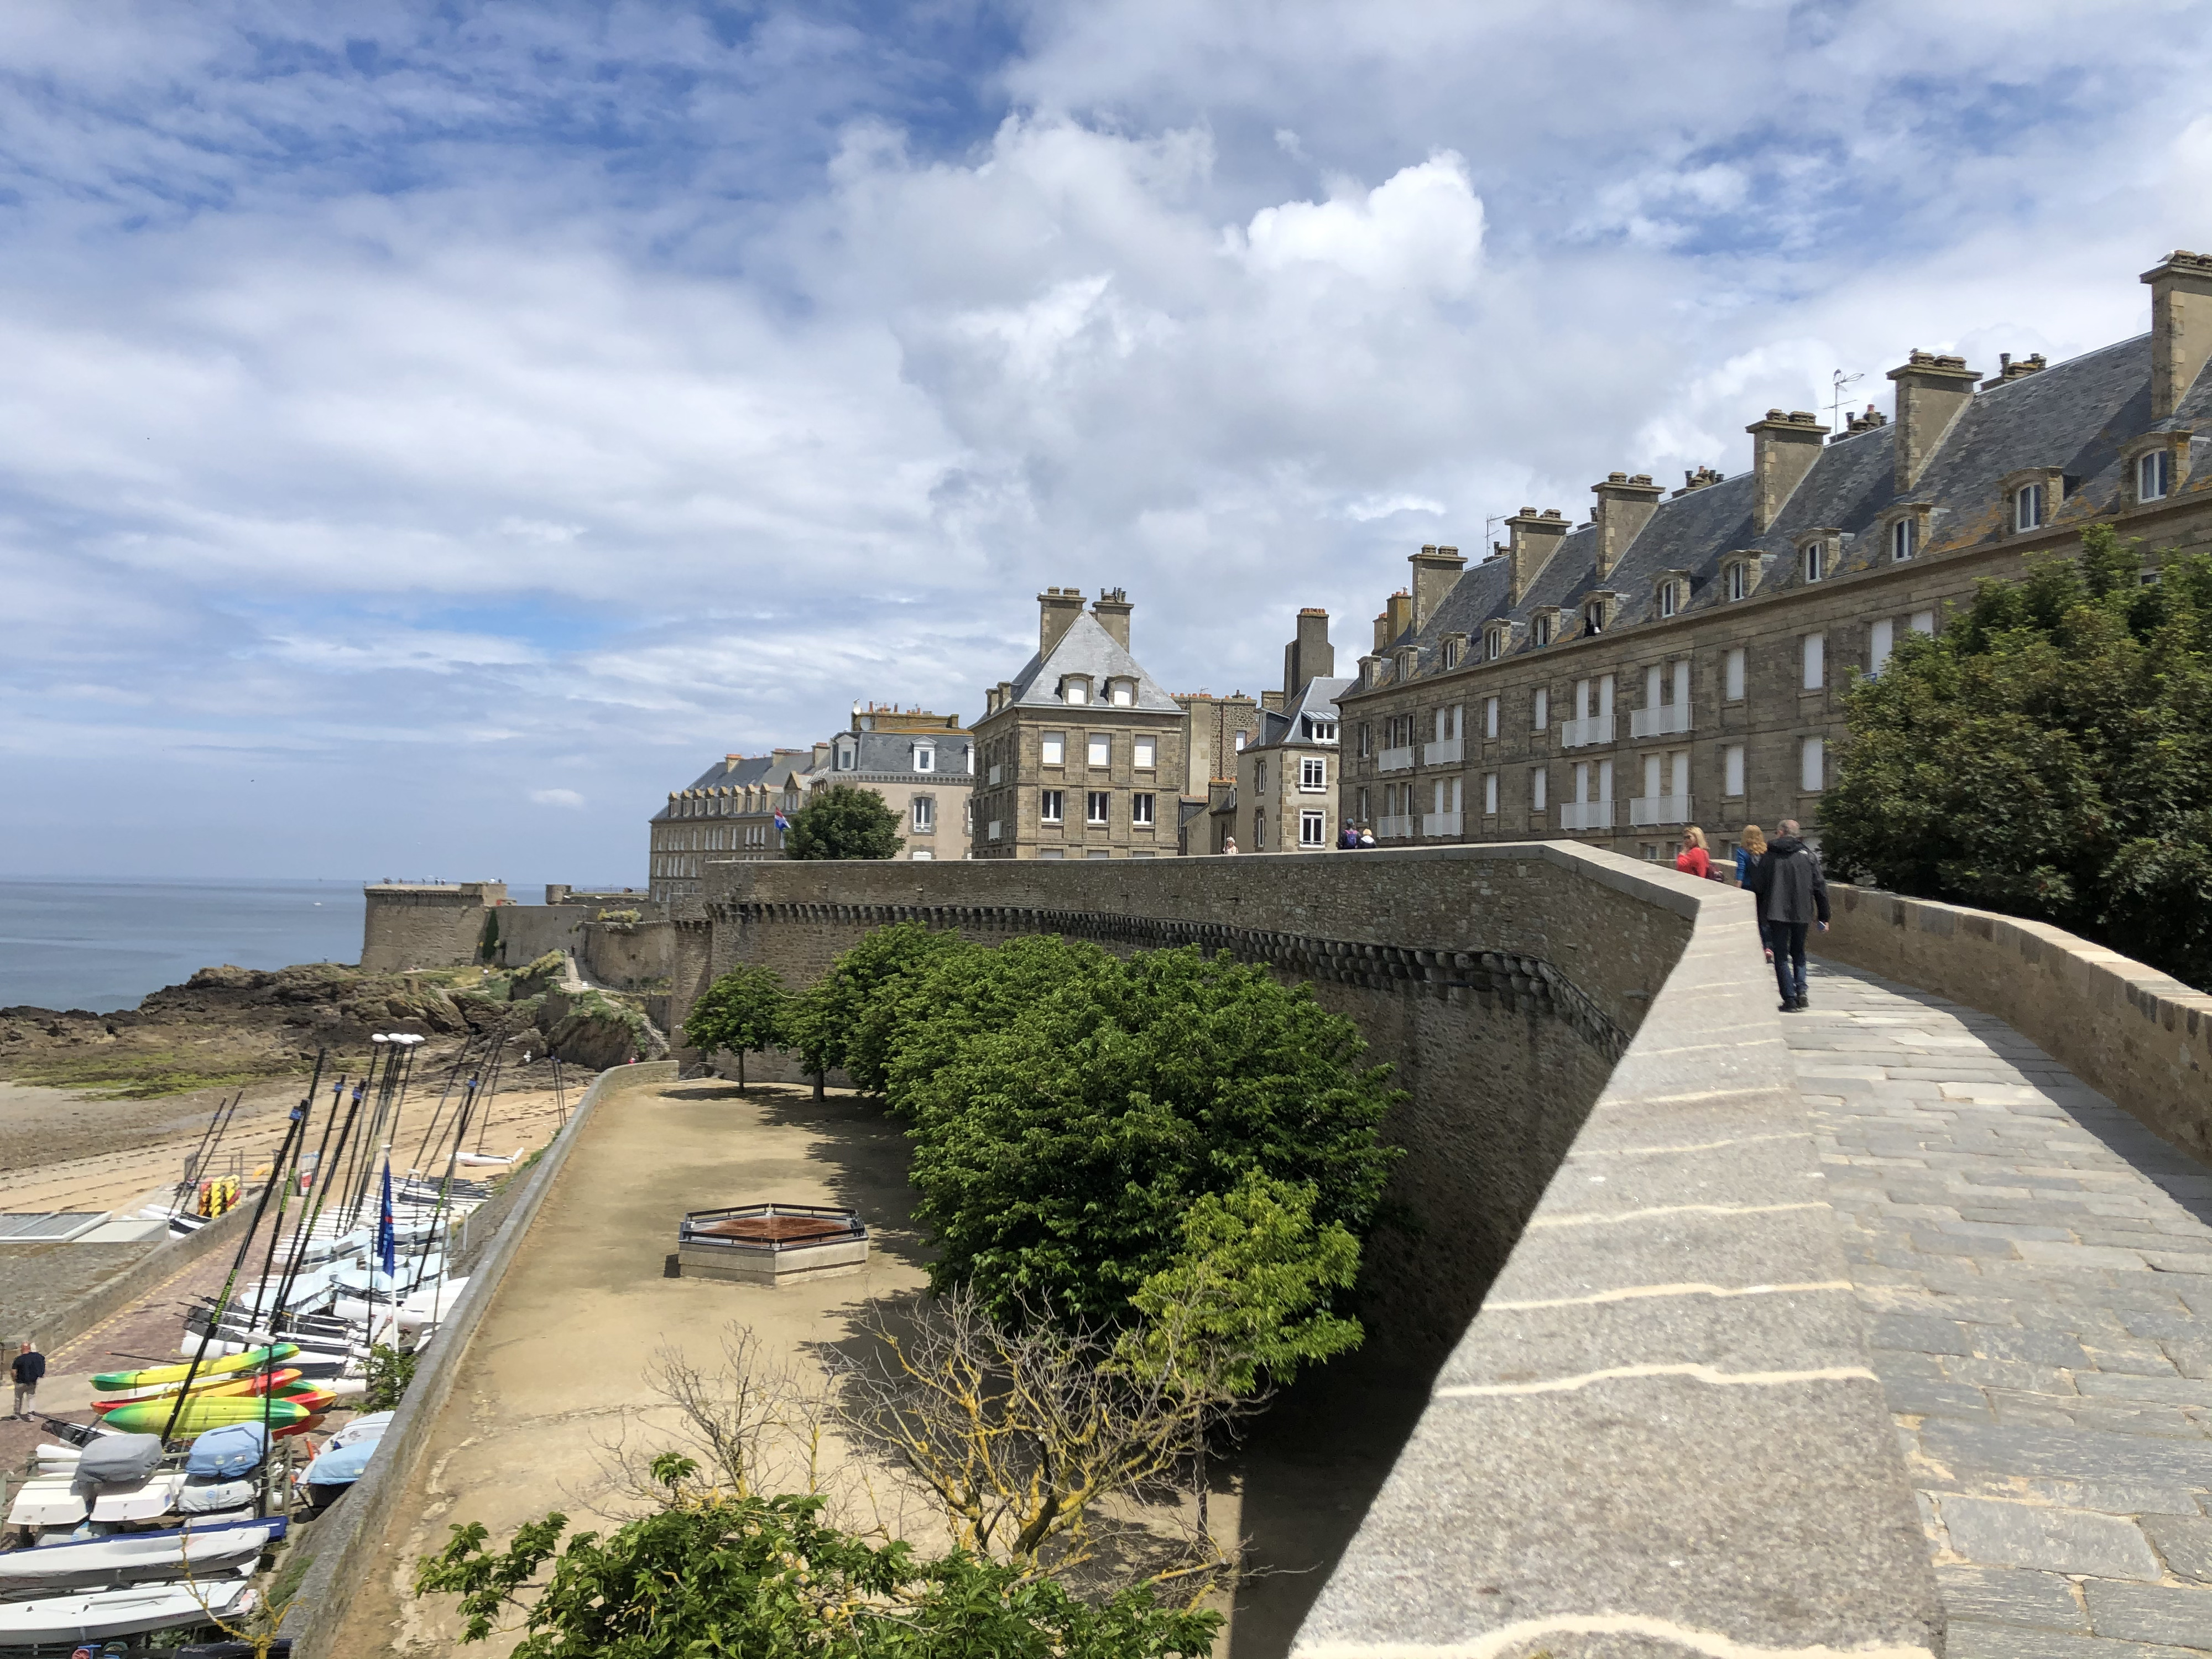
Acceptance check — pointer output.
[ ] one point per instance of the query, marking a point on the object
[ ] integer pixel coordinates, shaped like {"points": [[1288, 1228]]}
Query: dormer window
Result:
{"points": [[2154, 475], [1493, 644], [1122, 694], [1075, 689], [1597, 616], [1903, 539], [925, 757], [847, 757], [1813, 561], [1406, 662], [1670, 596], [2028, 506], [1542, 627], [1736, 579], [1454, 649]]}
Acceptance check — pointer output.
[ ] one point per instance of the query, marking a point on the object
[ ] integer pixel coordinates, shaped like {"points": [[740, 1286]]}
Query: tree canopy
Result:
{"points": [[2049, 756], [742, 1011], [843, 822]]}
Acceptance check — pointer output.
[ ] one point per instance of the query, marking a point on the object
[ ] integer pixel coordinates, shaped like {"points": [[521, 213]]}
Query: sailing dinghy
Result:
{"points": [[94, 1616], [131, 1558]]}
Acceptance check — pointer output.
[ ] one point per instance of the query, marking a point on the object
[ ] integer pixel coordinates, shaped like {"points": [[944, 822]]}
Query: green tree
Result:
{"points": [[709, 1575], [2049, 756], [824, 1026], [744, 1010], [843, 822]]}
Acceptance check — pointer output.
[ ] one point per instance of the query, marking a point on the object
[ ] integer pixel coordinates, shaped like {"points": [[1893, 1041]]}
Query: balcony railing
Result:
{"points": [[1664, 721], [1450, 752], [1657, 810], [1398, 827], [1582, 734], [1395, 760], [1586, 815], [1440, 824]]}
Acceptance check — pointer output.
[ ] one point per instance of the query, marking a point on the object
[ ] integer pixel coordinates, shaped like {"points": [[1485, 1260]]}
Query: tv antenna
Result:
{"points": [[1841, 381]]}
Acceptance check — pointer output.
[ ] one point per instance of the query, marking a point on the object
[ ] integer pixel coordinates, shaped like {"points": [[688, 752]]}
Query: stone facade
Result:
{"points": [[922, 764], [729, 811], [427, 923], [1681, 658], [1286, 778], [1081, 755]]}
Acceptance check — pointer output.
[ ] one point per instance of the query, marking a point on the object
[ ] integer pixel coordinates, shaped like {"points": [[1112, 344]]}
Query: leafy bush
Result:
{"points": [[822, 1025], [843, 822], [390, 1374], [708, 1574], [2049, 756], [742, 1011]]}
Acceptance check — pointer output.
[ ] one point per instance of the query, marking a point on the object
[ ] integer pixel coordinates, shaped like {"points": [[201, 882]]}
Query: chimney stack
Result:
{"points": [[1535, 537], [1624, 506], [2181, 327], [1436, 571], [1932, 392], [1057, 609], [1309, 657], [1112, 609], [1783, 450], [1397, 616]]}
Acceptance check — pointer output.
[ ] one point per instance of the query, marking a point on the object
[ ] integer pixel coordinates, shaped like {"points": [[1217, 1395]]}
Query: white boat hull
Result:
{"points": [[96, 1615], [136, 1558]]}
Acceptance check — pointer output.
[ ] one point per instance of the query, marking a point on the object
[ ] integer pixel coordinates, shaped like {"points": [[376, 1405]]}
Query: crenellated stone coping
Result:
{"points": [[1527, 984]]}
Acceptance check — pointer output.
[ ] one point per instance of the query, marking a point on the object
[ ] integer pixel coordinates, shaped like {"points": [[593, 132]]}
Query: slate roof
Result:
{"points": [[1087, 648], [744, 771], [2075, 417], [890, 754], [1318, 699]]}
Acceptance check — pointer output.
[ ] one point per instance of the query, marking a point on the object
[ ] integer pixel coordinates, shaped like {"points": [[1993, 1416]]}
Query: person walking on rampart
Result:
{"points": [[30, 1366], [1693, 859], [1793, 894]]}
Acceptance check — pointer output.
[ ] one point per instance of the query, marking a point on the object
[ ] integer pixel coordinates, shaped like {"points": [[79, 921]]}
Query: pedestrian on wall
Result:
{"points": [[1748, 852], [1229, 845], [1366, 836], [1693, 859], [1348, 837], [30, 1366], [1793, 894]]}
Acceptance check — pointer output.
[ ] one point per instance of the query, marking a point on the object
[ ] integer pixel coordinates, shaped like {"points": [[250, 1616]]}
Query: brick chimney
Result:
{"points": [[1624, 506], [1932, 392], [1436, 571], [1112, 608], [1783, 450], [1057, 609], [1309, 657], [2012, 368], [1536, 535], [1397, 614], [2181, 327]]}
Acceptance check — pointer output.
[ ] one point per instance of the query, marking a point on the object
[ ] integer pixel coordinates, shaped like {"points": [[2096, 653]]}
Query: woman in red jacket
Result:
{"points": [[1693, 859]]}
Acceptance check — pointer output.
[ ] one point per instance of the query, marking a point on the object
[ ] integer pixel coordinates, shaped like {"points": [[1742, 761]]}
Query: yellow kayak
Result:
{"points": [[204, 1412], [260, 1383], [157, 1376]]}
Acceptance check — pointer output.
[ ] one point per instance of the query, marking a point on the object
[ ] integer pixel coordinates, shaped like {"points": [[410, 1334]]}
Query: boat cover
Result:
{"points": [[211, 1494], [232, 1449], [361, 1428], [342, 1466], [116, 1457]]}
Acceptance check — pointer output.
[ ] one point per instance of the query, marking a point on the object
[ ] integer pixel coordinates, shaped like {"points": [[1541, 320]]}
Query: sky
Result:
{"points": [[430, 433]]}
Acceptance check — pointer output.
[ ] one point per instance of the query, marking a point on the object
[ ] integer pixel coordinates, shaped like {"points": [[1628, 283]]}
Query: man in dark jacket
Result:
{"points": [[29, 1367], [1792, 896]]}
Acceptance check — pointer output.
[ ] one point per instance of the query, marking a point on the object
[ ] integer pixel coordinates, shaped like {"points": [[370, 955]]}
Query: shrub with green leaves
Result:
{"points": [[2049, 756], [843, 822], [822, 1025], [742, 1012]]}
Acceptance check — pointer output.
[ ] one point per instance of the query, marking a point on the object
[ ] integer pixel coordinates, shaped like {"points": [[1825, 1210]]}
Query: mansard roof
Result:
{"points": [[2076, 418], [890, 754], [744, 771], [1278, 727], [1087, 650]]}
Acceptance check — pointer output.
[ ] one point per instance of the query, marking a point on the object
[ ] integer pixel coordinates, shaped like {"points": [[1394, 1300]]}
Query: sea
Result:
{"points": [[102, 945]]}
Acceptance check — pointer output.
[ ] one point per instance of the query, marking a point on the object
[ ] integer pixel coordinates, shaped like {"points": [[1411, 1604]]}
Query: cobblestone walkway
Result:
{"points": [[2037, 1272]]}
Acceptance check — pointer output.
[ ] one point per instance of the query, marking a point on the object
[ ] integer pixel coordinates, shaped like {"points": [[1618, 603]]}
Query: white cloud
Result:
{"points": [[568, 798]]}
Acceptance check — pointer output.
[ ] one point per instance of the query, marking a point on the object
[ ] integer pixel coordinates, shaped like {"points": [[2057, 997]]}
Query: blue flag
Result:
{"points": [[387, 1235]]}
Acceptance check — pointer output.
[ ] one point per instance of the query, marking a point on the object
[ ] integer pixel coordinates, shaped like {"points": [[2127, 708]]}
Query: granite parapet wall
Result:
{"points": [[2129, 1031]]}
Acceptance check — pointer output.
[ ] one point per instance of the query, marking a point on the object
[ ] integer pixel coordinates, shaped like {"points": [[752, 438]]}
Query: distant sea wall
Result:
{"points": [[409, 926], [426, 925]]}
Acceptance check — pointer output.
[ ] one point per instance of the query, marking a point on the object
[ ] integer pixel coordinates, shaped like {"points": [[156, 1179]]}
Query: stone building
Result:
{"points": [[1681, 657], [729, 811], [1081, 755], [1286, 778], [922, 764]]}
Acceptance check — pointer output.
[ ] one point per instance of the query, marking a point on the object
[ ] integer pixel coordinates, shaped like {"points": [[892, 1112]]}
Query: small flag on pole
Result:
{"points": [[781, 822], [387, 1235]]}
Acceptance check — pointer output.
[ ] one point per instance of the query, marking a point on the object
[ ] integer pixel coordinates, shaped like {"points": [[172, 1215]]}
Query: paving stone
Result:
{"points": [[1972, 1639], [2186, 1541], [2151, 1612], [2081, 1256], [2011, 1596], [2011, 1374], [2052, 1539], [2169, 1391]]}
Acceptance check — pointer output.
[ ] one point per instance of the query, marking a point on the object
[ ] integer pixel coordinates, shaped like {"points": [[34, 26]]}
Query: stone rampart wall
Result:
{"points": [[2129, 1031], [407, 927], [527, 932]]}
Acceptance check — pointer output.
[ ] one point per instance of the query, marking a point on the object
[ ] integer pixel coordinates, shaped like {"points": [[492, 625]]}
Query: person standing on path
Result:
{"points": [[1792, 894], [30, 1366], [1748, 852], [1693, 859]]}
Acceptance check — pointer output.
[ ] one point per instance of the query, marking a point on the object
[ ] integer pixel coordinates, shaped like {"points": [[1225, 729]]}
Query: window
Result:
{"points": [[1052, 748], [1075, 690], [925, 814], [1813, 764], [925, 758], [1904, 538], [1313, 829], [1669, 598], [1320, 731], [1054, 854], [1493, 644], [1451, 650], [1359, 812], [2152, 475], [922, 855], [1100, 750], [1366, 738], [991, 831], [1148, 749], [1259, 778], [1539, 710], [1048, 805], [1540, 788], [996, 771], [1447, 723], [1258, 832], [1594, 617], [1140, 811], [1490, 718], [1095, 805], [1490, 793], [1739, 579], [847, 756], [1923, 621], [1815, 661], [1882, 639], [1732, 771], [1540, 629], [1313, 773], [1123, 694], [1816, 561], [2028, 507]]}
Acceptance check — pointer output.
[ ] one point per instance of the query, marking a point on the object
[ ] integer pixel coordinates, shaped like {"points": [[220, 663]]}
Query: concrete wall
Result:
{"points": [[1661, 1433], [2129, 1031], [409, 926]]}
